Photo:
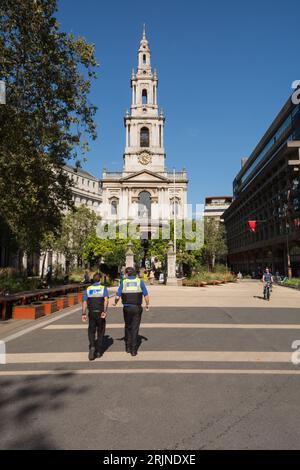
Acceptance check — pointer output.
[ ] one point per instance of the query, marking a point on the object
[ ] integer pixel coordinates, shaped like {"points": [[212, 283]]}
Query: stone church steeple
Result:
{"points": [[144, 124]]}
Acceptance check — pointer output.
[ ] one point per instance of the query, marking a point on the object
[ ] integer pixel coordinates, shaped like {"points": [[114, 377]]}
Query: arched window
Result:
{"points": [[144, 137], [144, 97], [114, 207], [144, 205], [175, 208], [144, 58]]}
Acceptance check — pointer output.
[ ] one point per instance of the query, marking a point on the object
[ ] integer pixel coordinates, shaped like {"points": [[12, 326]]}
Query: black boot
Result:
{"points": [[91, 354]]}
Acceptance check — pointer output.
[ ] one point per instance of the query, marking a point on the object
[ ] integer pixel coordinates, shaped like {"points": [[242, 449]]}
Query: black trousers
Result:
{"points": [[132, 318], [96, 325]]}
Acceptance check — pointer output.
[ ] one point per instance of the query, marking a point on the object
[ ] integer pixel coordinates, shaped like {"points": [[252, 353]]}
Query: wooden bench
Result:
{"points": [[23, 298]]}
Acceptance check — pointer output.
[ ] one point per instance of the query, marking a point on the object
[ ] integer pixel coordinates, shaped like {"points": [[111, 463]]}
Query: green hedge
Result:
{"points": [[293, 282], [208, 278]]}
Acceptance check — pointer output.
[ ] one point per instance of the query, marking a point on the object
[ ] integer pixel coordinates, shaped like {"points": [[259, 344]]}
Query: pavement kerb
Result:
{"points": [[16, 329]]}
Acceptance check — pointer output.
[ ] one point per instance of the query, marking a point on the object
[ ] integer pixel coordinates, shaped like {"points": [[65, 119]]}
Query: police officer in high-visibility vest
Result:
{"points": [[132, 290], [96, 301]]}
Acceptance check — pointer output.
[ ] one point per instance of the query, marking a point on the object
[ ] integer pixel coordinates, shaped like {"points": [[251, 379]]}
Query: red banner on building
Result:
{"points": [[252, 225]]}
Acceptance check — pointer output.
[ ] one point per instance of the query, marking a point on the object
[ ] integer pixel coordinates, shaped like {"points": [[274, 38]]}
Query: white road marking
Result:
{"points": [[234, 326], [150, 371], [152, 356], [40, 324]]}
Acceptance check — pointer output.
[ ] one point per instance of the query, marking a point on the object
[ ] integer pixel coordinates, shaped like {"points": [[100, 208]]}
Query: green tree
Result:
{"points": [[47, 244], [77, 227], [215, 247], [186, 259], [47, 118], [112, 251]]}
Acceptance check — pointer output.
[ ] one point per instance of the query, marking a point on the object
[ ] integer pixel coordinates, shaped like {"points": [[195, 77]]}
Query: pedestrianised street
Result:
{"points": [[214, 371]]}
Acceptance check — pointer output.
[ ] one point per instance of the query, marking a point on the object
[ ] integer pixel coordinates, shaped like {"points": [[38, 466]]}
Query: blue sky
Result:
{"points": [[225, 69]]}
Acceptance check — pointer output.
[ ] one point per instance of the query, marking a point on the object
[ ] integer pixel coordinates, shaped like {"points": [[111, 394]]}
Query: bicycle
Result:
{"points": [[267, 291]]}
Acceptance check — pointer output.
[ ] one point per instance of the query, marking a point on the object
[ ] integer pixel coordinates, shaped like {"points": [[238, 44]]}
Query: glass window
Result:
{"points": [[114, 207], [175, 208], [144, 209]]}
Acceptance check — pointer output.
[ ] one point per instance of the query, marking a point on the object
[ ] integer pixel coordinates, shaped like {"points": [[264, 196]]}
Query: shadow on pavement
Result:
{"points": [[22, 402], [107, 342], [139, 341]]}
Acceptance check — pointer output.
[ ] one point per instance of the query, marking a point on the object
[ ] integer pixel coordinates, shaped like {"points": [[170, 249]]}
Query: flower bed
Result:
{"points": [[209, 279]]}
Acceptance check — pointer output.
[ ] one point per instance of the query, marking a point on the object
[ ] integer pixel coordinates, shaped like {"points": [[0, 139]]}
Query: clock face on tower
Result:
{"points": [[144, 158]]}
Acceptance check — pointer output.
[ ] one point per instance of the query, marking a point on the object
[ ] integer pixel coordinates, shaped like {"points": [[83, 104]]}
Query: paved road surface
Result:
{"points": [[214, 371]]}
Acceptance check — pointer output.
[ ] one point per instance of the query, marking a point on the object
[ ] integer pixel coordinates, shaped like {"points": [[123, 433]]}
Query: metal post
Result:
{"points": [[2, 92], [288, 257], [174, 212]]}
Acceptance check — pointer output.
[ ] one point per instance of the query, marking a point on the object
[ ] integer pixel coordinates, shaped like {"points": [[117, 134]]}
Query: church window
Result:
{"points": [[144, 137], [144, 209], [175, 208], [144, 58], [114, 207], [144, 97]]}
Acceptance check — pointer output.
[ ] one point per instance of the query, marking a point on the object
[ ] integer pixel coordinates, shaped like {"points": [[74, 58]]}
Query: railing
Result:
{"points": [[112, 174], [178, 174]]}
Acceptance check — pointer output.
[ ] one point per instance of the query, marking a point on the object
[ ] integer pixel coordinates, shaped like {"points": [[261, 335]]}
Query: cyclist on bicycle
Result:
{"points": [[268, 280]]}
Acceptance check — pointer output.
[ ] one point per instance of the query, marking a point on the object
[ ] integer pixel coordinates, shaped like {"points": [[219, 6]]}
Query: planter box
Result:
{"points": [[72, 299], [28, 312], [50, 306]]}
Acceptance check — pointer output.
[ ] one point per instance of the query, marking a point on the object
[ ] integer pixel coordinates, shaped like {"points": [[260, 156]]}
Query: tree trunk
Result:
{"points": [[43, 265], [213, 261]]}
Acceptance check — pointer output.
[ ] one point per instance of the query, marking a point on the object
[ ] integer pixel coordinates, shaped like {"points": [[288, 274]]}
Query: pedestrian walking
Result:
{"points": [[132, 290], [49, 276], [86, 277], [95, 300], [151, 277]]}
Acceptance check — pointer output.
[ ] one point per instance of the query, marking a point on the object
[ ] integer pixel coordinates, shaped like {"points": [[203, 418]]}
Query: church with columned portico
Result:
{"points": [[144, 187]]}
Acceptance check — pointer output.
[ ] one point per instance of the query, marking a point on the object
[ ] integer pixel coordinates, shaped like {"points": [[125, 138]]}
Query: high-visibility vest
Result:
{"points": [[132, 292], [95, 295]]}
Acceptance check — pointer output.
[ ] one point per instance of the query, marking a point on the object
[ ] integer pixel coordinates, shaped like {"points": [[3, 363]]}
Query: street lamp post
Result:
{"points": [[174, 211], [2, 92], [288, 256]]}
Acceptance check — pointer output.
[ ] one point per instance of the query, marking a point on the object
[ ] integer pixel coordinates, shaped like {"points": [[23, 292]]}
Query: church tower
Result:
{"points": [[144, 186], [144, 124]]}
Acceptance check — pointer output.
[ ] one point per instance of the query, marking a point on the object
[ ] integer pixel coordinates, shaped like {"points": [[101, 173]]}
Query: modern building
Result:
{"points": [[215, 206], [267, 190], [144, 188]]}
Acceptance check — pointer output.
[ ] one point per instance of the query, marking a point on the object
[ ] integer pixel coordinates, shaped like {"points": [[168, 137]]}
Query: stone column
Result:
{"points": [[129, 256], [126, 135], [171, 279]]}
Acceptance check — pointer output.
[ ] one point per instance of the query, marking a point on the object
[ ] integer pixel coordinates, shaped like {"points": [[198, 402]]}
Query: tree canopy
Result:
{"points": [[47, 118], [112, 251], [215, 245]]}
